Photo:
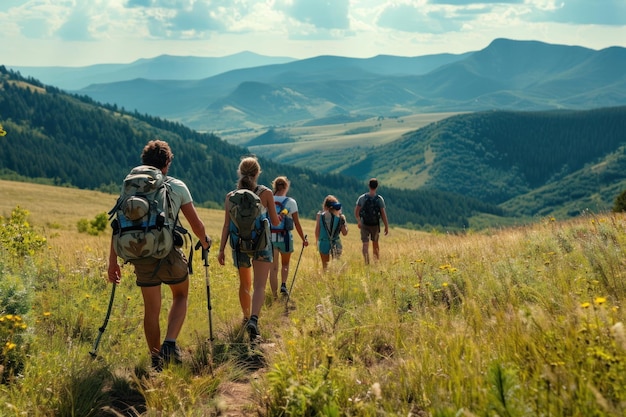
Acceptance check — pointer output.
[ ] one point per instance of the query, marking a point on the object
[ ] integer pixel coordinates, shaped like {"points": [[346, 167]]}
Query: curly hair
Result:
{"points": [[157, 153]]}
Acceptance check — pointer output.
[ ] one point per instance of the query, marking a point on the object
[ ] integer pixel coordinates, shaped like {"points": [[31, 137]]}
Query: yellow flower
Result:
{"points": [[599, 300], [585, 305], [445, 284], [10, 345], [416, 285], [47, 314]]}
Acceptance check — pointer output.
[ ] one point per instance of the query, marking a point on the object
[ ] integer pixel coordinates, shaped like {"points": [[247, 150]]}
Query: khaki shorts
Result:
{"points": [[370, 232], [172, 270]]}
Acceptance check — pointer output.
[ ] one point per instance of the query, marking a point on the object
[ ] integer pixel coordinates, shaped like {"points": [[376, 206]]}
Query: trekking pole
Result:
{"points": [[293, 280], [104, 325], [205, 258]]}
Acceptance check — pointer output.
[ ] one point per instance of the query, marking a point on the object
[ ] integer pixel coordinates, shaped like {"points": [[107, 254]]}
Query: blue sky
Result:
{"points": [[85, 32]]}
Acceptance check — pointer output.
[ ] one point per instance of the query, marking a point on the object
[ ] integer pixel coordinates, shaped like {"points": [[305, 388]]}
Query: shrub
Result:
{"points": [[93, 227]]}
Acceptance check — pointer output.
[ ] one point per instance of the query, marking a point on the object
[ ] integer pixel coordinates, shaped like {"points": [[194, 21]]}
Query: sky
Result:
{"points": [[87, 32]]}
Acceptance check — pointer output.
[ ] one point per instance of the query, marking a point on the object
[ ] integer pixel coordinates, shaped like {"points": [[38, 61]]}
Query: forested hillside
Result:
{"points": [[497, 156], [72, 141]]}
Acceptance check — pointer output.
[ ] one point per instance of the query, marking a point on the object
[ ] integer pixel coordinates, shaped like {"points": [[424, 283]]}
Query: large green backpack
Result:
{"points": [[143, 224], [249, 227]]}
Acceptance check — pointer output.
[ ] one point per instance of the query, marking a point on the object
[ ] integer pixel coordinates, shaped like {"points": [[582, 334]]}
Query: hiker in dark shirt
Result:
{"points": [[369, 209], [253, 268], [172, 271], [330, 224]]}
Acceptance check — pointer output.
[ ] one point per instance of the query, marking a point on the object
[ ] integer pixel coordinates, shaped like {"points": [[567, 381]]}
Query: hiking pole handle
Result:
{"points": [[205, 252]]}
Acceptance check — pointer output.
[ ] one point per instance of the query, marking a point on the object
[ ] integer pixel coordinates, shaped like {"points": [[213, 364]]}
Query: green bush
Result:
{"points": [[93, 227], [17, 235]]}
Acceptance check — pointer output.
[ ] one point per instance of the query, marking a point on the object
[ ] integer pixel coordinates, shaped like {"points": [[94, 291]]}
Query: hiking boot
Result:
{"points": [[170, 353], [253, 327], [283, 290], [157, 363]]}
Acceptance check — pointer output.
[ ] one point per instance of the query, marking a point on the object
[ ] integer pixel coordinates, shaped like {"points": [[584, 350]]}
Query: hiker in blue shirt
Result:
{"points": [[253, 268], [330, 224], [282, 236], [369, 210]]}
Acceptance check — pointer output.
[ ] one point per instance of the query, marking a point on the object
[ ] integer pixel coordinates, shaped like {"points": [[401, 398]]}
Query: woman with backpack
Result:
{"points": [[330, 224], [282, 236], [252, 251]]}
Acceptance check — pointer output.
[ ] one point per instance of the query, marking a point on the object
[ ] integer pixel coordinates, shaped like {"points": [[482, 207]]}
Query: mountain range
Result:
{"points": [[506, 75]]}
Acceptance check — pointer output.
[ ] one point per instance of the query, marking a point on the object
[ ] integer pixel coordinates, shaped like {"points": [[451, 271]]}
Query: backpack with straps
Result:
{"points": [[248, 223], [286, 221], [370, 211], [143, 223]]}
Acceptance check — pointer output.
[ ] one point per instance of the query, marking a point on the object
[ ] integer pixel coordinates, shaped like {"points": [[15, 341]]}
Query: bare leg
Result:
{"points": [[284, 272], [151, 311], [366, 255], [261, 272], [178, 311], [325, 259], [245, 283], [376, 250], [274, 274]]}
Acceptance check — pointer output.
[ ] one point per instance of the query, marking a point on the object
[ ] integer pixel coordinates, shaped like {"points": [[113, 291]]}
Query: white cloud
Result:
{"points": [[78, 32]]}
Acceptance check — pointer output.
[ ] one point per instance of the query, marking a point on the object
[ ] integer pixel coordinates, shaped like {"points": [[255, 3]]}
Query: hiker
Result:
{"points": [[282, 236], [253, 267], [370, 208], [330, 224], [171, 270]]}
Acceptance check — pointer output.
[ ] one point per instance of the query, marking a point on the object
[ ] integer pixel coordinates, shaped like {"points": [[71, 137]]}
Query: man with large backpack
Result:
{"points": [[147, 233], [369, 210]]}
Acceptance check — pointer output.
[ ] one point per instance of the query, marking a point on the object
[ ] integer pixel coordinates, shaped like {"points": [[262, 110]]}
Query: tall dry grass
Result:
{"points": [[511, 322]]}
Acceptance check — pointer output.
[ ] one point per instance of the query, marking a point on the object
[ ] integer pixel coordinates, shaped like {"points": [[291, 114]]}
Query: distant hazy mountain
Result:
{"points": [[163, 67], [506, 75]]}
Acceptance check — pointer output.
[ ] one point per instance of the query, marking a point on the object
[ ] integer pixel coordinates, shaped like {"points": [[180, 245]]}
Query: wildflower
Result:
{"points": [[552, 219], [47, 314], [87, 296], [585, 305], [128, 298], [416, 285], [10, 346], [599, 300], [445, 284]]}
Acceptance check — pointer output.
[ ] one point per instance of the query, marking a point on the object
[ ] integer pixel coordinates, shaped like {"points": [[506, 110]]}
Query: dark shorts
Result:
{"points": [[370, 232], [172, 270]]}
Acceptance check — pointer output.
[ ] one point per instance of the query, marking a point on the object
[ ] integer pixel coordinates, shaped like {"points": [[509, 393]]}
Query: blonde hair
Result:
{"points": [[280, 183], [248, 171], [328, 201]]}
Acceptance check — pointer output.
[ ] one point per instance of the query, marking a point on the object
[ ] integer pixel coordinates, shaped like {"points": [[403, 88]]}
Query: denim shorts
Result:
{"points": [[244, 260]]}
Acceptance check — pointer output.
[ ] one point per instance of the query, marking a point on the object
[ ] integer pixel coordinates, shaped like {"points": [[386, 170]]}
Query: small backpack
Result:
{"points": [[286, 221], [249, 226], [144, 225], [370, 211]]}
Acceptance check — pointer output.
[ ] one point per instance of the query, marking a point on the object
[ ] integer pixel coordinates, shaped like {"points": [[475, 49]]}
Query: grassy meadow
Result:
{"points": [[517, 321], [331, 147]]}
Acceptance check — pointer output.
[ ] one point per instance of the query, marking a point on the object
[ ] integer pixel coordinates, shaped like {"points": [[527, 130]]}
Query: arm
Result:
{"points": [[296, 222], [190, 213], [383, 215], [344, 225], [114, 273], [268, 201], [317, 227], [357, 215], [224, 237]]}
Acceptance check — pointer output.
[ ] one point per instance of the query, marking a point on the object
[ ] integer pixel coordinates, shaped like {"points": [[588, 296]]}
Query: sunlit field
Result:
{"points": [[510, 322]]}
